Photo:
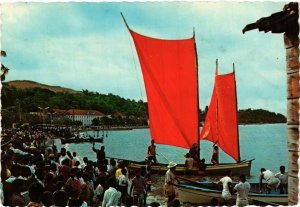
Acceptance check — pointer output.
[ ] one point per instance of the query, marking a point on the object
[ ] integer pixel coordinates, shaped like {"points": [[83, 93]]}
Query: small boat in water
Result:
{"points": [[76, 140], [201, 193]]}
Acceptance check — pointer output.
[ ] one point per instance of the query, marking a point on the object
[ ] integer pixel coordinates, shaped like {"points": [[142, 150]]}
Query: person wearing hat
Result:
{"points": [[171, 182]]}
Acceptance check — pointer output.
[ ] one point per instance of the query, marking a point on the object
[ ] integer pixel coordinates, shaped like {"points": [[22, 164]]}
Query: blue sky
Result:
{"points": [[87, 46]]}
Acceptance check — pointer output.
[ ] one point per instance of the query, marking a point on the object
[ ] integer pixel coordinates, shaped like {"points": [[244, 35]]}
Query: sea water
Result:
{"points": [[266, 143]]}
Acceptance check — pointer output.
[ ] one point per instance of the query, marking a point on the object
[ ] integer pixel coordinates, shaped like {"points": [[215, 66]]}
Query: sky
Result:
{"points": [[86, 46]]}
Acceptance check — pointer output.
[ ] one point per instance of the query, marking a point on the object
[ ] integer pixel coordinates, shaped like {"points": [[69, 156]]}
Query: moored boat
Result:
{"points": [[201, 193], [81, 140]]}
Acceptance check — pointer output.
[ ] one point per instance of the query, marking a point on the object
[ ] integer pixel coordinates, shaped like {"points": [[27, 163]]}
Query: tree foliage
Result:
{"points": [[253, 116], [133, 112]]}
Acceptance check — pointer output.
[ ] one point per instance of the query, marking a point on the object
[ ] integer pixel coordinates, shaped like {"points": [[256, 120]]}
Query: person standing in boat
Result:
{"points": [[227, 188], [189, 163], [242, 189], [171, 182], [194, 153], [151, 154], [215, 155], [283, 177], [271, 180]]}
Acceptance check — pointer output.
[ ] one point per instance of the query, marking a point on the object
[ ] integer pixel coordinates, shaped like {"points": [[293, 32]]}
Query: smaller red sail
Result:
{"points": [[170, 77], [221, 124]]}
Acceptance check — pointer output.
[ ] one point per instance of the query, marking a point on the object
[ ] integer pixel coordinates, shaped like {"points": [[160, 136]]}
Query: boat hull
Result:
{"points": [[236, 168], [201, 195]]}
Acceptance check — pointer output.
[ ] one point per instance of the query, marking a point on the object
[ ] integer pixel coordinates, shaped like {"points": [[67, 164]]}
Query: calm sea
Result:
{"points": [[266, 143]]}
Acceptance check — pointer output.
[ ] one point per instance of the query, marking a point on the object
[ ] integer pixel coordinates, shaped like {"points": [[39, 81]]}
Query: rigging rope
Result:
{"points": [[136, 72]]}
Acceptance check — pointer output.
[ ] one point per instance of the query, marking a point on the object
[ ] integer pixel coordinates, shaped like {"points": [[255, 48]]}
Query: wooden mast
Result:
{"points": [[217, 109], [237, 114], [197, 98]]}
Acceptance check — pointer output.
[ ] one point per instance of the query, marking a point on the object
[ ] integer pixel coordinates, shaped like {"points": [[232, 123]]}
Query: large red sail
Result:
{"points": [[221, 122], [170, 77]]}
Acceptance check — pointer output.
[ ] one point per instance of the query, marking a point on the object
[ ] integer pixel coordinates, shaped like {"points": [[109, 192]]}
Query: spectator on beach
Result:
{"points": [[15, 171], [18, 187], [148, 178], [171, 182], [271, 180], [151, 153], [283, 177], [47, 199], [65, 169], [111, 195], [36, 191], [227, 188], [6, 163], [119, 169], [60, 198], [63, 155], [138, 189], [123, 184], [242, 189], [215, 155], [98, 195], [49, 183], [100, 154], [111, 168], [87, 189]]}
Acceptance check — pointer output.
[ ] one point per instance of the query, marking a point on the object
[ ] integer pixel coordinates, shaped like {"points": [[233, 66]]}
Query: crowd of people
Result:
{"points": [[34, 173]]}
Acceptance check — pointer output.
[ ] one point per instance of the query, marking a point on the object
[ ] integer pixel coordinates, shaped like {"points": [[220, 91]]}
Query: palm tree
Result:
{"points": [[4, 70]]}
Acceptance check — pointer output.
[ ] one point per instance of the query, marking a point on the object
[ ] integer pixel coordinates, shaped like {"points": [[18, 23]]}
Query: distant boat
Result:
{"points": [[170, 71], [76, 140]]}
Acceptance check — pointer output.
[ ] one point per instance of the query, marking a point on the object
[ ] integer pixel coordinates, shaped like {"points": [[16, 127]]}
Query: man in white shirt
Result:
{"points": [[171, 182], [111, 195], [227, 188], [242, 189], [271, 180], [283, 177]]}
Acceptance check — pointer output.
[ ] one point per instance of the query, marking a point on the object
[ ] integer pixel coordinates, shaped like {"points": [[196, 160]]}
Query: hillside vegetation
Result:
{"points": [[30, 95]]}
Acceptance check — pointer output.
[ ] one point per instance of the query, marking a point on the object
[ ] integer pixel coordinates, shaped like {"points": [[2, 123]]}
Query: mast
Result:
{"points": [[217, 105], [237, 114], [197, 73], [217, 111]]}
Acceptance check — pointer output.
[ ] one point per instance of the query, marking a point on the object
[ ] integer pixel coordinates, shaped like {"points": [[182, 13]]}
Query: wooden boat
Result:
{"points": [[236, 168], [201, 193], [170, 72], [158, 168], [81, 140]]}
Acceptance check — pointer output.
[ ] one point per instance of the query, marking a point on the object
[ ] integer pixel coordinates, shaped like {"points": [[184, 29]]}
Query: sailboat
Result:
{"points": [[221, 127], [170, 72]]}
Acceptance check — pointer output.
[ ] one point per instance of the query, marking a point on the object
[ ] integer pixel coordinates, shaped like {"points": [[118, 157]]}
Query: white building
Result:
{"points": [[85, 116]]}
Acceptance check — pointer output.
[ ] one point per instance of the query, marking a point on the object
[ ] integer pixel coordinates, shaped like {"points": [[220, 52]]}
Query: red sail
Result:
{"points": [[221, 121], [170, 77]]}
